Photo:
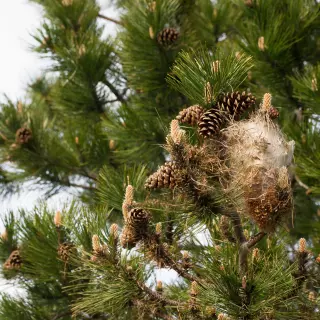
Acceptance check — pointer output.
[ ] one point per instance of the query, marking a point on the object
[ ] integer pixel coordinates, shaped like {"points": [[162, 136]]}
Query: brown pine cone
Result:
{"points": [[164, 177], [65, 250], [23, 135], [167, 37], [190, 115], [235, 103], [273, 113], [210, 123], [138, 219], [14, 261], [129, 237]]}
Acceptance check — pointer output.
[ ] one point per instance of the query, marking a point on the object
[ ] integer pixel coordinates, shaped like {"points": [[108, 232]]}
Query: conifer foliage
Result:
{"points": [[191, 140]]}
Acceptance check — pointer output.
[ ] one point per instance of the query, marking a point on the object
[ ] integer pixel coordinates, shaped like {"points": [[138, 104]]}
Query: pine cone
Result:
{"points": [[164, 177], [167, 37], [129, 237], [23, 135], [138, 219], [190, 115], [210, 123], [14, 261], [65, 250], [235, 103], [273, 113]]}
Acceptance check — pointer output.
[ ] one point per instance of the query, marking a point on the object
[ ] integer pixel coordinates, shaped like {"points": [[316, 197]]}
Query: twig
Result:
{"points": [[244, 251], [175, 266], [80, 186], [91, 175], [243, 259], [114, 90], [300, 183], [238, 230], [158, 297], [168, 260], [245, 245], [255, 239], [110, 19]]}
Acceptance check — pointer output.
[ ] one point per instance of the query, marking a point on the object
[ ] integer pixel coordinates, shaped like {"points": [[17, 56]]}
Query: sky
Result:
{"points": [[19, 66]]}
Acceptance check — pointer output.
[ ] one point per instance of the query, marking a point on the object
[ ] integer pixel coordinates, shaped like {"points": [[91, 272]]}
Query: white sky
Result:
{"points": [[19, 66]]}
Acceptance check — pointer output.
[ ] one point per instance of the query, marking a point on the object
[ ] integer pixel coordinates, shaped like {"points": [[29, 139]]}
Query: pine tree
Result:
{"points": [[191, 138]]}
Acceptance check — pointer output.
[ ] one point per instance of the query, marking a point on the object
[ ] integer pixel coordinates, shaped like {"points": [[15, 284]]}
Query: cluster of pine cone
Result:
{"points": [[210, 122]]}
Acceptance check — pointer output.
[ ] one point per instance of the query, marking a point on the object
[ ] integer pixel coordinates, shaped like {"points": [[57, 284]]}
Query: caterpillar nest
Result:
{"points": [[257, 156]]}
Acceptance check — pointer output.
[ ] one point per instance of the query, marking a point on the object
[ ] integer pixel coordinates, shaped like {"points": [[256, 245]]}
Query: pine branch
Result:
{"points": [[300, 183], [110, 19], [180, 270], [168, 260], [245, 245], [158, 297], [114, 91], [255, 239], [243, 259], [244, 251], [81, 186], [91, 175], [238, 230]]}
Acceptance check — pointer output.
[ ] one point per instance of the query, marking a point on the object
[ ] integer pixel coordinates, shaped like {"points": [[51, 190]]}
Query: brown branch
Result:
{"points": [[238, 230], [89, 174], [180, 270], [300, 183], [245, 245], [255, 239], [243, 259], [110, 19], [168, 260], [244, 251], [80, 186], [114, 90], [157, 296]]}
